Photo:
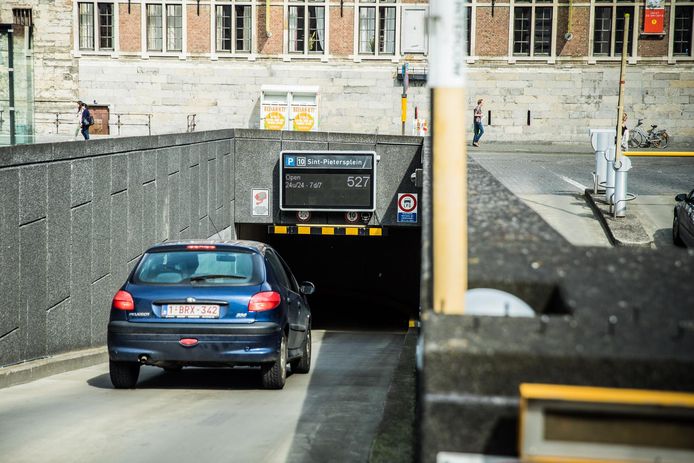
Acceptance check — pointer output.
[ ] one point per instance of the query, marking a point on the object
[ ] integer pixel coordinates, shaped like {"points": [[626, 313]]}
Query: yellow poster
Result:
{"points": [[275, 117], [304, 118]]}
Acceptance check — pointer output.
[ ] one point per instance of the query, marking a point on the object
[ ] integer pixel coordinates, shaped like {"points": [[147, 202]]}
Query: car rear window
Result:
{"points": [[218, 268]]}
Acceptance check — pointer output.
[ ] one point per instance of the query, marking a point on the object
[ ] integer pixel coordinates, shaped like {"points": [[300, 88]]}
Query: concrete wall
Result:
{"points": [[74, 217], [257, 155]]}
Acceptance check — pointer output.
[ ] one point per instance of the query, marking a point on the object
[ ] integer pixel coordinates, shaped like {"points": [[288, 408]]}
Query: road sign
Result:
{"points": [[407, 207], [337, 181], [260, 202]]}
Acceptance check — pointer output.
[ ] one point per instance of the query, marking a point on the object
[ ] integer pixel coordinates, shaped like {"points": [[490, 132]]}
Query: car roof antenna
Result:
{"points": [[215, 227]]}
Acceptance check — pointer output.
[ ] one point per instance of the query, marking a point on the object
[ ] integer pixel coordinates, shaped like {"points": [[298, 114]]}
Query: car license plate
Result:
{"points": [[190, 311]]}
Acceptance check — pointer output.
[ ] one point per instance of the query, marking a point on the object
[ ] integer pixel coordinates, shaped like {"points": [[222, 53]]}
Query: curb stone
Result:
{"points": [[40, 368], [626, 231]]}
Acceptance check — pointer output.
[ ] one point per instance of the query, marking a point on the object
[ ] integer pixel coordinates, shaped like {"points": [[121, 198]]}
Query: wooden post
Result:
{"points": [[620, 101], [448, 49]]}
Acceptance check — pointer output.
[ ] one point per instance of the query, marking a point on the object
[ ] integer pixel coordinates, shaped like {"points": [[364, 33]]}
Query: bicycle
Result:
{"points": [[638, 138]]}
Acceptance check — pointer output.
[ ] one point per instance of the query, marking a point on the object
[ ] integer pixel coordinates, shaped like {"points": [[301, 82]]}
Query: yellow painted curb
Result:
{"points": [[659, 153]]}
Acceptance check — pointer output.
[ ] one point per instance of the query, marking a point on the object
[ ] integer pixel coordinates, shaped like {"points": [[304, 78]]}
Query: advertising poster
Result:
{"points": [[304, 118], [274, 116], [654, 17]]}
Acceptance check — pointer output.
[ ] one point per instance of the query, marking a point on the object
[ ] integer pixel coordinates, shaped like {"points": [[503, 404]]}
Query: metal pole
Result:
{"points": [[620, 102], [447, 26], [10, 63], [405, 85]]}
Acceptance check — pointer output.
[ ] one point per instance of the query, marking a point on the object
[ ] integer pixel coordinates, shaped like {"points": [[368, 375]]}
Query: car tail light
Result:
{"points": [[123, 301], [266, 300], [188, 342], [201, 247]]}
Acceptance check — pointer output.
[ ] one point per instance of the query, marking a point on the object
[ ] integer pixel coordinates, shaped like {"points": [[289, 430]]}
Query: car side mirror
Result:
{"points": [[307, 288], [681, 197]]}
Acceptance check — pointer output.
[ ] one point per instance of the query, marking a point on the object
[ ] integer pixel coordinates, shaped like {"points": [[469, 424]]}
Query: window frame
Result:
{"points": [[95, 27], [533, 6], [378, 6], [614, 6], [306, 5], [234, 29], [684, 5], [164, 18]]}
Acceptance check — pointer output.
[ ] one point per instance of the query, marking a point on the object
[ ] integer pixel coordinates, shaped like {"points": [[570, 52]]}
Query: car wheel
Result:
{"points": [[303, 364], [123, 374], [275, 375], [676, 238]]}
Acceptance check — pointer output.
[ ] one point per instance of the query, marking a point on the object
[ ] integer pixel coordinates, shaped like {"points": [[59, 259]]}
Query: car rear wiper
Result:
{"points": [[215, 276]]}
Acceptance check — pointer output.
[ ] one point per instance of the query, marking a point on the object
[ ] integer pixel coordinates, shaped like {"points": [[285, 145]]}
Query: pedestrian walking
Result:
{"points": [[78, 129], [625, 133], [479, 126], [86, 120]]}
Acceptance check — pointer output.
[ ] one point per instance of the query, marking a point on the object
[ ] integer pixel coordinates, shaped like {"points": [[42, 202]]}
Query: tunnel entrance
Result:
{"points": [[362, 283]]}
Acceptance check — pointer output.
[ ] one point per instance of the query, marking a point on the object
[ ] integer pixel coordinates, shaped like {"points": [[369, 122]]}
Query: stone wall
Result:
{"points": [[75, 217], [564, 101], [360, 98]]}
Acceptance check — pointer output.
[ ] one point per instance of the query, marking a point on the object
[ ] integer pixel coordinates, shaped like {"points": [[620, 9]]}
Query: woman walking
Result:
{"points": [[479, 127]]}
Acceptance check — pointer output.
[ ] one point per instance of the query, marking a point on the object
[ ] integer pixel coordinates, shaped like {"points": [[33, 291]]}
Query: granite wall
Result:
{"points": [[76, 216]]}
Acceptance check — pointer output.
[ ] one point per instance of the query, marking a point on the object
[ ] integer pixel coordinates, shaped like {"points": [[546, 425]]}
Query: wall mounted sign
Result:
{"points": [[654, 17]]}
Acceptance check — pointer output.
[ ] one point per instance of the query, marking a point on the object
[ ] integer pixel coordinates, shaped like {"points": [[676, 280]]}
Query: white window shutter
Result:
{"points": [[414, 37]]}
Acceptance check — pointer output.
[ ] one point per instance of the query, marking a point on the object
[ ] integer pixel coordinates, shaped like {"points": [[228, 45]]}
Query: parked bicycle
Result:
{"points": [[639, 138]]}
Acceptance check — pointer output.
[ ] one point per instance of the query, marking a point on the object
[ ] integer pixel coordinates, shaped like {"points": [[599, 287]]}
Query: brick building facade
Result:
{"points": [[548, 69]]}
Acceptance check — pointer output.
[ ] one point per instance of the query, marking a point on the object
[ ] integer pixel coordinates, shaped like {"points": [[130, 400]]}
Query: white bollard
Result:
{"points": [[620, 187], [600, 139], [610, 176]]}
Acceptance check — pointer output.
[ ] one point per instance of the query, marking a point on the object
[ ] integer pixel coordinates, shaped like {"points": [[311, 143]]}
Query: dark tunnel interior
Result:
{"points": [[362, 283]]}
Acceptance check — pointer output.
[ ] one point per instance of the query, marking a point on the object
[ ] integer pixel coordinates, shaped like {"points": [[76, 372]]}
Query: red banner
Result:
{"points": [[654, 21]]}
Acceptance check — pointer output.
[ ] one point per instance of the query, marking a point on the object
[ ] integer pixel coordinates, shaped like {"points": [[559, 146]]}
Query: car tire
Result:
{"points": [[123, 374], [302, 365], [676, 238], [275, 375]]}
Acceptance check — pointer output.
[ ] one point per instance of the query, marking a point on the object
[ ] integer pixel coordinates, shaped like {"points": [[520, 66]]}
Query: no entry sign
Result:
{"points": [[407, 207]]}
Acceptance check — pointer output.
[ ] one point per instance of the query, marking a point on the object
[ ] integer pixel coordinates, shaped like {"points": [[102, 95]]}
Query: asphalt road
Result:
{"points": [[552, 183], [207, 415]]}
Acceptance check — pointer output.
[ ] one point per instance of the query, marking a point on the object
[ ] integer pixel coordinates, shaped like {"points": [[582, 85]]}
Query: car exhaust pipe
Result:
{"points": [[143, 359]]}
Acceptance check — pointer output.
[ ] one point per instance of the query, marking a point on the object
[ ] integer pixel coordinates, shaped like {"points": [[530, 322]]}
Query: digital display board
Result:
{"points": [[327, 180]]}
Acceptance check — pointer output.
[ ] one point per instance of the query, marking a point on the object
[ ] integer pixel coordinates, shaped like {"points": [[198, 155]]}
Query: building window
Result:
{"points": [[234, 28], [86, 13], [377, 27], [608, 29], [172, 23], [91, 37], [106, 26], [154, 28], [532, 30], [682, 39], [306, 28]]}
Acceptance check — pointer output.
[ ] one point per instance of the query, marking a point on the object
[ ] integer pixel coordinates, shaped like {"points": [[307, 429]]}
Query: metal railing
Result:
{"points": [[120, 123], [191, 122], [70, 119]]}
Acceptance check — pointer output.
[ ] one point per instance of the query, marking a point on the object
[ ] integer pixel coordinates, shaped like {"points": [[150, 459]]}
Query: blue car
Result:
{"points": [[210, 304]]}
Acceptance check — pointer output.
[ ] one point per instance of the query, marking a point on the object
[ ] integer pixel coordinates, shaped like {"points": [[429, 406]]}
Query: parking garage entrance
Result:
{"points": [[362, 282]]}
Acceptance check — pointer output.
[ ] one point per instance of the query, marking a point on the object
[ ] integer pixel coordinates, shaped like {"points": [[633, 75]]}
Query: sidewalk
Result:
{"points": [[674, 149], [623, 231]]}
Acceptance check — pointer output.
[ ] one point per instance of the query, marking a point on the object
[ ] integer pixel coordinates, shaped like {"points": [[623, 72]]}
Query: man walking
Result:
{"points": [[479, 127], [86, 121]]}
